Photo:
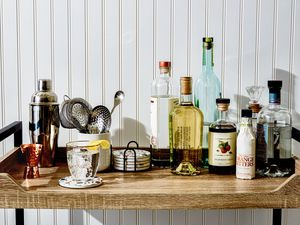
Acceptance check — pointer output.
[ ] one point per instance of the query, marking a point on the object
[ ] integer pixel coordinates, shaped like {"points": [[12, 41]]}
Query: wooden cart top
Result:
{"points": [[153, 189]]}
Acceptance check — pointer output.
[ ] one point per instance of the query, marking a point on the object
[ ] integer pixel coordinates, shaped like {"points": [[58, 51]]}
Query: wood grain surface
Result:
{"points": [[153, 189]]}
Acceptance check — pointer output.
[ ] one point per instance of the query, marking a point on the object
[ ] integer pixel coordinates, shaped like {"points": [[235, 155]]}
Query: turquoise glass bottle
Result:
{"points": [[207, 89]]}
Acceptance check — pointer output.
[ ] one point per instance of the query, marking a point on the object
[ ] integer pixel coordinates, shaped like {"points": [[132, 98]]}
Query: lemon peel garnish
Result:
{"points": [[103, 143]]}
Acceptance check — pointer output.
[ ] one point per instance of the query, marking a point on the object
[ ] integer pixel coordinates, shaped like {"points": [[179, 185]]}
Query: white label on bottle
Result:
{"points": [[222, 148], [160, 109], [245, 157]]}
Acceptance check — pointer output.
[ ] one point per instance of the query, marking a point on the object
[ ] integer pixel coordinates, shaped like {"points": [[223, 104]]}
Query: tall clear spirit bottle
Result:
{"points": [[274, 135], [206, 90], [162, 103], [222, 141], [186, 126]]}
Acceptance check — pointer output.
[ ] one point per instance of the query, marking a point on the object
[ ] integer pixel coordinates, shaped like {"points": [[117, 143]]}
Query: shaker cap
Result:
{"points": [[274, 85], [44, 95]]}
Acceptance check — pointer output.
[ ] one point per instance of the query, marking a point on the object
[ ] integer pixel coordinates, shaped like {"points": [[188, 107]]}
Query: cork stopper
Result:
{"points": [[186, 85], [255, 107], [223, 104]]}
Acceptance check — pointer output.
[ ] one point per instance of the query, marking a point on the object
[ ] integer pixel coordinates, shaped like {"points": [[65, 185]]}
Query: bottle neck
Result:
{"points": [[223, 115], [186, 99], [164, 72], [274, 99], [246, 122], [207, 59]]}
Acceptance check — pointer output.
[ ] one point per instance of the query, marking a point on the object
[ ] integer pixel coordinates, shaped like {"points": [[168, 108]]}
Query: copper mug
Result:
{"points": [[32, 154]]}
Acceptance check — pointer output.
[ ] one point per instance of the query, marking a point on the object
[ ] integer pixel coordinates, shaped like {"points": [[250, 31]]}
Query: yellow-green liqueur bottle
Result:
{"points": [[186, 126]]}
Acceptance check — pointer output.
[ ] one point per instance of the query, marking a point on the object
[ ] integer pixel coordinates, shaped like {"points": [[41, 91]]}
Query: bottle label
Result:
{"points": [[160, 109], [222, 149]]}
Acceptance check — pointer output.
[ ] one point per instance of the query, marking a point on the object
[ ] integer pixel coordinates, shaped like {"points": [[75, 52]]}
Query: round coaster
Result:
{"points": [[140, 154], [69, 182], [131, 160], [121, 168], [132, 165]]}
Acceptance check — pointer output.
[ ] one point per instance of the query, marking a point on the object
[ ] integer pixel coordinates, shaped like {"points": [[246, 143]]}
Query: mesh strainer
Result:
{"points": [[100, 120]]}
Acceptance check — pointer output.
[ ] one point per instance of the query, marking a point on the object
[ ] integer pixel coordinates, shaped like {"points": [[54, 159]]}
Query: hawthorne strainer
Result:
{"points": [[63, 114], [78, 113]]}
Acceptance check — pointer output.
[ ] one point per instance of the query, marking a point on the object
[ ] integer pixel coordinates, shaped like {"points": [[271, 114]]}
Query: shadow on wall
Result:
{"points": [[132, 130]]}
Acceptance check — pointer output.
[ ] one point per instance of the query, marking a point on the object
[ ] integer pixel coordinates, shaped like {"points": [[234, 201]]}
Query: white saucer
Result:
{"points": [[69, 182]]}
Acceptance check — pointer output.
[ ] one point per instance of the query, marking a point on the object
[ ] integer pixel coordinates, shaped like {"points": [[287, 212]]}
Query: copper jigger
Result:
{"points": [[32, 154]]}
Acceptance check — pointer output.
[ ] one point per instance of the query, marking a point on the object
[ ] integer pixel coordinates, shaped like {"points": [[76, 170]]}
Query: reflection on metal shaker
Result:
{"points": [[44, 121]]}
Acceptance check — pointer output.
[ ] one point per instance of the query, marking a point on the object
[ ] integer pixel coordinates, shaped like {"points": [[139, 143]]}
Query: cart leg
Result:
{"points": [[277, 216], [19, 216]]}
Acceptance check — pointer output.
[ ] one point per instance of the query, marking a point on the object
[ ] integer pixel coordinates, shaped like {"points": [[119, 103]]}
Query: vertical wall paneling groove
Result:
{"points": [[284, 26], [223, 64], [86, 48], [145, 67], [274, 52], [155, 2], [291, 54], [34, 15], [188, 53], [265, 58], [112, 64], [103, 46], [172, 41], [257, 40], [18, 61], [231, 30], [70, 91], [2, 99], [206, 17], [240, 49]]}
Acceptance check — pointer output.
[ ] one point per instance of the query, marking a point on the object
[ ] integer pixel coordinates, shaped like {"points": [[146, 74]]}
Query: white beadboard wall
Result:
{"points": [[92, 48]]}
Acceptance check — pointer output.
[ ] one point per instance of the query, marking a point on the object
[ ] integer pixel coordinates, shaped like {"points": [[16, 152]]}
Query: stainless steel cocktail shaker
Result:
{"points": [[44, 121]]}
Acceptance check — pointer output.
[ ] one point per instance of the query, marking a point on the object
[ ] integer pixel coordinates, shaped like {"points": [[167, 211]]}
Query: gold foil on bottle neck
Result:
{"points": [[223, 106], [186, 85]]}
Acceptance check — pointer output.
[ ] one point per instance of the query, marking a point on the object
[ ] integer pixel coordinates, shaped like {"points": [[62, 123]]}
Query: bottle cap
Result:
{"points": [[208, 42], [44, 95], [274, 85], [246, 113], [164, 64], [223, 104], [186, 85], [223, 100], [44, 85]]}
